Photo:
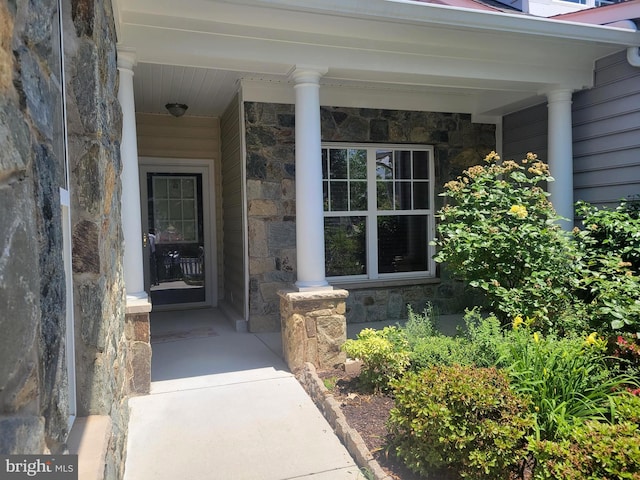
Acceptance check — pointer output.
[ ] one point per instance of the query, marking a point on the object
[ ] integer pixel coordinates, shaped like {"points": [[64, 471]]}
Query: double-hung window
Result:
{"points": [[378, 211]]}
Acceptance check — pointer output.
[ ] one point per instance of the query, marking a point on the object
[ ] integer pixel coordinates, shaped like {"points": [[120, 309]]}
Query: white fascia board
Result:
{"points": [[406, 11]]}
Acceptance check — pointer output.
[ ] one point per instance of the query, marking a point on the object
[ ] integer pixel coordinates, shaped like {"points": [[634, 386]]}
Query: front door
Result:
{"points": [[176, 220]]}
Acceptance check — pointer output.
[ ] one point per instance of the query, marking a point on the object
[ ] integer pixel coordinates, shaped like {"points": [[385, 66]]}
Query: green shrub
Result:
{"points": [[594, 450], [420, 326], [430, 347], [501, 234], [609, 267], [440, 350], [567, 379], [384, 355], [459, 417], [485, 338], [616, 230], [626, 350]]}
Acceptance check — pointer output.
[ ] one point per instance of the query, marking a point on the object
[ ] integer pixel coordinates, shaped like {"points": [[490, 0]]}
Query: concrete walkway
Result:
{"points": [[224, 406]]}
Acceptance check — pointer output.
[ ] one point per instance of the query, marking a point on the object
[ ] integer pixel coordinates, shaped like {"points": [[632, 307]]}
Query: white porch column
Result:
{"points": [[131, 218], [560, 154], [309, 209]]}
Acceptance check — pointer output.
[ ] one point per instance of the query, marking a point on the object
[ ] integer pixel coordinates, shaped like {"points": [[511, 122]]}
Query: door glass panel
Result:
{"points": [[176, 239]]}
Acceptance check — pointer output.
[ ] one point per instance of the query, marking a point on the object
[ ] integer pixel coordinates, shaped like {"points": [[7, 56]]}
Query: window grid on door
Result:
{"points": [[175, 208]]}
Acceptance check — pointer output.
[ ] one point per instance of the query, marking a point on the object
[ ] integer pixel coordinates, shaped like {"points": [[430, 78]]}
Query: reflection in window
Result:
{"points": [[402, 242], [175, 209], [345, 246], [377, 203]]}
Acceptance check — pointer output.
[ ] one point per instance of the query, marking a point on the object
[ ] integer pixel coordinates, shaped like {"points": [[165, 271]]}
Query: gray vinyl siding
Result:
{"points": [[525, 131], [606, 134], [232, 200]]}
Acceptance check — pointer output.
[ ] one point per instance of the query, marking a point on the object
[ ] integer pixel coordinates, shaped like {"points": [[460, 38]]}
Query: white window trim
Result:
{"points": [[65, 205], [372, 214]]}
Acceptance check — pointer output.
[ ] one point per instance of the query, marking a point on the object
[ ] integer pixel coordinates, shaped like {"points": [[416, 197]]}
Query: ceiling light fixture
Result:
{"points": [[176, 109]]}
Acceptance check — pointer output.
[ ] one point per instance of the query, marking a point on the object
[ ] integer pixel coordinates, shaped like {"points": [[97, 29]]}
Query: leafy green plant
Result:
{"points": [[594, 450], [384, 355], [430, 347], [485, 338], [501, 234], [440, 350], [609, 267], [419, 325], [567, 379], [330, 382], [626, 350], [616, 230], [459, 417]]}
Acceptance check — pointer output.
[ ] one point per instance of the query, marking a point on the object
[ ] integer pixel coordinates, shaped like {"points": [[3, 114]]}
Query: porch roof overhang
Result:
{"points": [[378, 53]]}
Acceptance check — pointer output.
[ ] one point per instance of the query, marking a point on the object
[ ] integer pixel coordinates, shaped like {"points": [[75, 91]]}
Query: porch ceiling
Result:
{"points": [[388, 52]]}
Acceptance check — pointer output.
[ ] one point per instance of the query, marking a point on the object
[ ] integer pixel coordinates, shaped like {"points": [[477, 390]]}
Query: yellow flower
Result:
{"points": [[536, 337], [475, 171], [517, 322], [591, 339], [453, 186], [510, 166], [519, 211], [492, 156]]}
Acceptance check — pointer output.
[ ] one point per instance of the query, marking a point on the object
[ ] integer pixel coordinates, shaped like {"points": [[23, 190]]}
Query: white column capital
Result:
{"points": [[127, 59], [560, 95], [307, 74]]}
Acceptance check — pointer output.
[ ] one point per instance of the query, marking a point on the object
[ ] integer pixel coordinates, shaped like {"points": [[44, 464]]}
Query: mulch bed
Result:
{"points": [[367, 413]]}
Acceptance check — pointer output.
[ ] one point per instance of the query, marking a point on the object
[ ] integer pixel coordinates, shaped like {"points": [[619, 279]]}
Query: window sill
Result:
{"points": [[89, 439], [383, 283]]}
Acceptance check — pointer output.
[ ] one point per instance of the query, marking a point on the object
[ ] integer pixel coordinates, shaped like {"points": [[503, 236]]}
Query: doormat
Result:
{"points": [[183, 335]]}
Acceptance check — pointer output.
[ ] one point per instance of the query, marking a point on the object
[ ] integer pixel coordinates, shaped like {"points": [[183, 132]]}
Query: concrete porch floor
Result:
{"points": [[224, 406]]}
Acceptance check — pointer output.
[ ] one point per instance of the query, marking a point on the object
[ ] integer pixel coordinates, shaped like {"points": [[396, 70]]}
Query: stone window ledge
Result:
{"points": [[396, 282], [89, 439]]}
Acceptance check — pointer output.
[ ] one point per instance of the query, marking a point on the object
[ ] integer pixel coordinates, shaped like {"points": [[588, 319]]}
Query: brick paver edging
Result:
{"points": [[350, 438]]}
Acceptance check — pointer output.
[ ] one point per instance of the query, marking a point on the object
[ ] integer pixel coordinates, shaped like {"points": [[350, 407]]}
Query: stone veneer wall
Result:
{"points": [[94, 129], [270, 131], [34, 405], [313, 328]]}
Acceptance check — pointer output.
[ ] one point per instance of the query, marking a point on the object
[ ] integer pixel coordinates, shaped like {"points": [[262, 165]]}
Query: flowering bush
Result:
{"points": [[567, 379], [500, 232]]}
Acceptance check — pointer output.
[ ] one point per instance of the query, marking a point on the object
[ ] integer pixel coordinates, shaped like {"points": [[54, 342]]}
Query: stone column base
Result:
{"points": [[314, 327], [138, 336]]}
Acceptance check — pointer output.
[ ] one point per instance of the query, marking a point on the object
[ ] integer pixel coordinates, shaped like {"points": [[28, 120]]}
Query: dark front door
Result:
{"points": [[176, 244]]}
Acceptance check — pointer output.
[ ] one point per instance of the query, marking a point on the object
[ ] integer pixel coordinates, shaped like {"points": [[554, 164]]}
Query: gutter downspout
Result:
{"points": [[633, 53], [633, 56]]}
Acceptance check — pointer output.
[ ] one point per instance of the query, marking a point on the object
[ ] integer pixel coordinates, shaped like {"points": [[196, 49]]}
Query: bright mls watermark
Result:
{"points": [[50, 467]]}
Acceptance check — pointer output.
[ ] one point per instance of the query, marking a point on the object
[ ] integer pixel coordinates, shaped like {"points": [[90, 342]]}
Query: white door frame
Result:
{"points": [[195, 166]]}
